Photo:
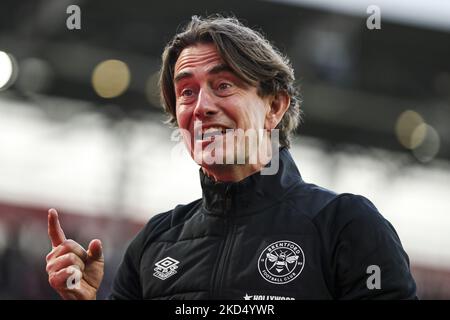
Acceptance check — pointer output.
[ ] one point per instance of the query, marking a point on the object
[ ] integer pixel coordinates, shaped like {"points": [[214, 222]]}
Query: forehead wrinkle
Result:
{"points": [[192, 59], [216, 69]]}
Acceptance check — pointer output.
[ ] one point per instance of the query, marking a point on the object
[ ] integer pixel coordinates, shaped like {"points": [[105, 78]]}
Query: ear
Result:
{"points": [[278, 107]]}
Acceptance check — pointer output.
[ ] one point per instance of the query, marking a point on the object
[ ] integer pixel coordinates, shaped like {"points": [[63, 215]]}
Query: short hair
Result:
{"points": [[250, 56]]}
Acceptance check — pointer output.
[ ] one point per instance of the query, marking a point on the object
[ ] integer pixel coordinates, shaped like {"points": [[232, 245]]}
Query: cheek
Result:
{"points": [[240, 111], [183, 119], [254, 115], [261, 110]]}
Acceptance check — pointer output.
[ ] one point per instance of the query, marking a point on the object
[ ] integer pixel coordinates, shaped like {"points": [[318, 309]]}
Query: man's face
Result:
{"points": [[210, 98]]}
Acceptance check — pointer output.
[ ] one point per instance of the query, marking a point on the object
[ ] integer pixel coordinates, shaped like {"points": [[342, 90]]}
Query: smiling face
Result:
{"points": [[210, 98]]}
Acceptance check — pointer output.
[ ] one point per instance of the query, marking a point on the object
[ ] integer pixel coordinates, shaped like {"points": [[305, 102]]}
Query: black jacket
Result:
{"points": [[267, 237]]}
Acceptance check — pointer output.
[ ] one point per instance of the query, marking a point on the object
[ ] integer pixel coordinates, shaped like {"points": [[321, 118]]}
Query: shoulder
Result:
{"points": [[353, 221], [340, 208], [333, 212], [353, 211]]}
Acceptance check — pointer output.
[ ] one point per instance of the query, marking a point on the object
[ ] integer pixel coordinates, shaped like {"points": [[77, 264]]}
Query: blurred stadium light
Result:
{"points": [[8, 70], [111, 78]]}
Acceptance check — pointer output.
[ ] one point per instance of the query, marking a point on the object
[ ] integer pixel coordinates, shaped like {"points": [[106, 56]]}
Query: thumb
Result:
{"points": [[95, 250]]}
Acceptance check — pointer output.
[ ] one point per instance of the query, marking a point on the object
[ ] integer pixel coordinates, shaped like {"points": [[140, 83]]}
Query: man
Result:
{"points": [[259, 231]]}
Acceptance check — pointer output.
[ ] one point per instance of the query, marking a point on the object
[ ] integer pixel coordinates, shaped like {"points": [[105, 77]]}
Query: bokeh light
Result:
{"points": [[406, 124], [111, 78], [8, 70], [429, 148], [36, 75]]}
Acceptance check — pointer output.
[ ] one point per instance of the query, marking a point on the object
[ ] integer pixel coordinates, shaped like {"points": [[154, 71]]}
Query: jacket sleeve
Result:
{"points": [[368, 259], [126, 285], [127, 281]]}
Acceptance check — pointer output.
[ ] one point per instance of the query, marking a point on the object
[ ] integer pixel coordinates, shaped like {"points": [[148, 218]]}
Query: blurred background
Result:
{"points": [[82, 129]]}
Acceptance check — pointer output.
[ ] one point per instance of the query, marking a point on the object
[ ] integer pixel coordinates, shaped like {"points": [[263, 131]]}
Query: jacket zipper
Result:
{"points": [[218, 277]]}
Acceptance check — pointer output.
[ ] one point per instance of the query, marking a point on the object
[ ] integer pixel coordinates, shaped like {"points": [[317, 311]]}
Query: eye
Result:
{"points": [[224, 86], [187, 92]]}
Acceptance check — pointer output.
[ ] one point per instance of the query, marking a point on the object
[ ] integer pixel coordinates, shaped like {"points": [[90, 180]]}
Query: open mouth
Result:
{"points": [[210, 133], [213, 131]]}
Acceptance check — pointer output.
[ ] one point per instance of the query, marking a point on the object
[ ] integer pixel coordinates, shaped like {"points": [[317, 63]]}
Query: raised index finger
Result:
{"points": [[55, 232]]}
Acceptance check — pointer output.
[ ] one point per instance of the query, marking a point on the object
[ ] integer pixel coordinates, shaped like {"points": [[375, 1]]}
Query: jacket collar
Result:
{"points": [[253, 193]]}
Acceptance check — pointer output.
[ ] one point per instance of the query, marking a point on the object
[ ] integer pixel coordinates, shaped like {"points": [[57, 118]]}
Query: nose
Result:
{"points": [[205, 106]]}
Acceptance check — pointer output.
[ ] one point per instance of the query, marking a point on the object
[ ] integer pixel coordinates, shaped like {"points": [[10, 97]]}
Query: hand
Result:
{"points": [[72, 271]]}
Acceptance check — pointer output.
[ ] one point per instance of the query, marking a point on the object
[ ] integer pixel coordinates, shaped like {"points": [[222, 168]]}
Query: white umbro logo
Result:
{"points": [[166, 268]]}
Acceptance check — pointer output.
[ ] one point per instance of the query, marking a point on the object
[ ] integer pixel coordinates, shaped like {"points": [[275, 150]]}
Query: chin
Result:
{"points": [[211, 159]]}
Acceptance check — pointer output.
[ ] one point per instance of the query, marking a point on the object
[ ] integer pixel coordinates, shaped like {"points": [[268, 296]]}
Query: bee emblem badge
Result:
{"points": [[281, 262]]}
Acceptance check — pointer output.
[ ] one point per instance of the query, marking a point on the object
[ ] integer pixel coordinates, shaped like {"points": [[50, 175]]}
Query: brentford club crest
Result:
{"points": [[281, 262]]}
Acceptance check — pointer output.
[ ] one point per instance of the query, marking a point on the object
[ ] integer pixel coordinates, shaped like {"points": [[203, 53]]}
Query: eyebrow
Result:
{"points": [[214, 70], [220, 68]]}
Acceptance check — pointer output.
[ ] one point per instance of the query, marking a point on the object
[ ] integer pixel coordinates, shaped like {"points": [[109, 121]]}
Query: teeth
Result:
{"points": [[212, 131]]}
